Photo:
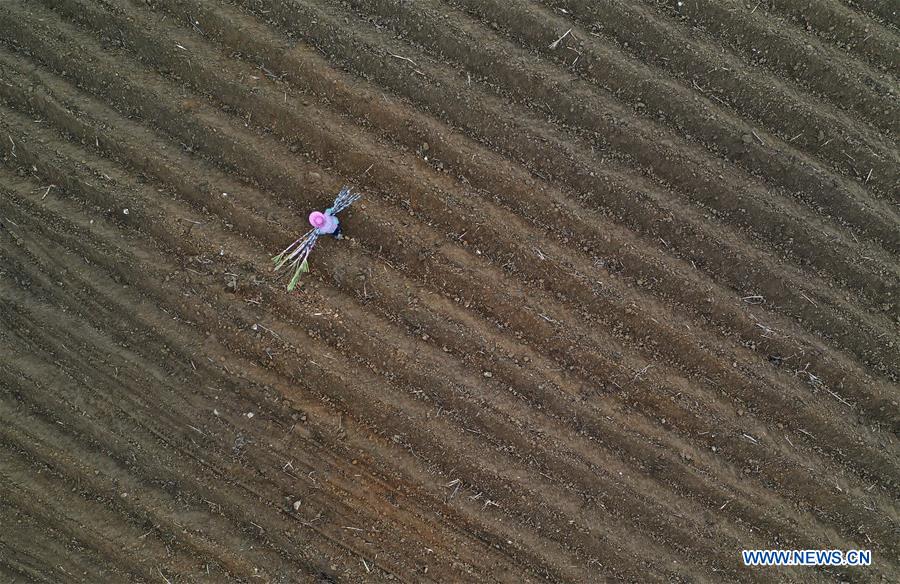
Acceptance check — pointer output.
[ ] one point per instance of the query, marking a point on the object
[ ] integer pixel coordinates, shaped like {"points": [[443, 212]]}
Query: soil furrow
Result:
{"points": [[845, 29], [486, 480], [184, 425], [845, 82], [618, 302], [660, 278], [438, 457], [761, 154], [536, 82], [773, 102], [667, 216]]}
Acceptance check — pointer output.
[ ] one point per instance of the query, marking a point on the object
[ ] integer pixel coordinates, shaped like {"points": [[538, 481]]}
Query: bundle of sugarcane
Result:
{"points": [[296, 255]]}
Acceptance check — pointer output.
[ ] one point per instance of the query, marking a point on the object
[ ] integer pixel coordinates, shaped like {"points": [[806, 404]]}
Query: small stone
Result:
{"points": [[488, 374], [249, 414], [297, 505], [314, 176]]}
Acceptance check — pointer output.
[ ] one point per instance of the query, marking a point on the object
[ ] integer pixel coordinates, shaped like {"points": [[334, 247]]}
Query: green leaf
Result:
{"points": [[293, 283]]}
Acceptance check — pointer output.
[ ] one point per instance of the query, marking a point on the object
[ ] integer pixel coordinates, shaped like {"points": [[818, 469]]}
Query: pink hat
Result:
{"points": [[318, 219]]}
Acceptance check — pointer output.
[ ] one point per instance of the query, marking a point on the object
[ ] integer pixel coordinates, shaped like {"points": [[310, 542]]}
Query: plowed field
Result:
{"points": [[620, 299]]}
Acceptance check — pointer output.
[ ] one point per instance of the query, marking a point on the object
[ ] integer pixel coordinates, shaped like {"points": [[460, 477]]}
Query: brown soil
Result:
{"points": [[611, 309]]}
